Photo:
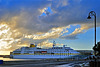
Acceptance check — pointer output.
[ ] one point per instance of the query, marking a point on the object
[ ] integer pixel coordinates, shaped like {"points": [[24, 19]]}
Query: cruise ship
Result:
{"points": [[34, 52]]}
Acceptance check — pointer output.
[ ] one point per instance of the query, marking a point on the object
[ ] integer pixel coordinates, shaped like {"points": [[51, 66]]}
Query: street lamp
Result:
{"points": [[92, 13]]}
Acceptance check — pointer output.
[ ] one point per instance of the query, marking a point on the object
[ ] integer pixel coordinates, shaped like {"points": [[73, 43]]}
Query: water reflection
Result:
{"points": [[9, 59]]}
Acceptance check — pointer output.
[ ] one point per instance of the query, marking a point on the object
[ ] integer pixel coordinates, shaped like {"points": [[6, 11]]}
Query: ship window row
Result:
{"points": [[28, 51], [57, 48], [68, 49], [68, 54], [17, 51], [59, 51]]}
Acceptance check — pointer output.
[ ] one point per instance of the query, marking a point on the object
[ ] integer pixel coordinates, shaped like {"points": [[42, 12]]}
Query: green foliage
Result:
{"points": [[97, 48]]}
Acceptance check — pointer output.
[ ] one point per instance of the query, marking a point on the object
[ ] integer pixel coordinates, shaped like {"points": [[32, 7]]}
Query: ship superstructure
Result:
{"points": [[35, 52]]}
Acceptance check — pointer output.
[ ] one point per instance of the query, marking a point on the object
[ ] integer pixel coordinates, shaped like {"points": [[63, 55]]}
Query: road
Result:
{"points": [[46, 64]]}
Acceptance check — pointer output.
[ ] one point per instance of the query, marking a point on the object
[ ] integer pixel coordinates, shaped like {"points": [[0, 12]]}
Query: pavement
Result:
{"points": [[46, 64], [75, 64]]}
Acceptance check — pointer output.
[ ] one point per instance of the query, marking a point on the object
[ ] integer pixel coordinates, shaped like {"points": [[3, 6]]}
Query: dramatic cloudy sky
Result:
{"points": [[41, 21]]}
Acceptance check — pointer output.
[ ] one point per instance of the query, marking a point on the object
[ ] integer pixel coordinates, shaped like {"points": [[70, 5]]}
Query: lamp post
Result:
{"points": [[92, 13]]}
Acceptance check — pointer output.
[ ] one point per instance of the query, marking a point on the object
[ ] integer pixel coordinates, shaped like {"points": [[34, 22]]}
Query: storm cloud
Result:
{"points": [[26, 24]]}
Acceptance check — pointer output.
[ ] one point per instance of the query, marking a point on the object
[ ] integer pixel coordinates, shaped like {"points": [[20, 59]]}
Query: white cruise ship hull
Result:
{"points": [[40, 56], [34, 52]]}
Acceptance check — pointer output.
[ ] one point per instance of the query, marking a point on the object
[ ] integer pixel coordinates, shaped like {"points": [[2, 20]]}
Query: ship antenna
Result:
{"points": [[40, 45], [35, 44], [54, 43]]}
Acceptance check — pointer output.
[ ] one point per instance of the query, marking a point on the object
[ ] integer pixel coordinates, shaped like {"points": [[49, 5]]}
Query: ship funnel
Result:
{"points": [[35, 44], [32, 45]]}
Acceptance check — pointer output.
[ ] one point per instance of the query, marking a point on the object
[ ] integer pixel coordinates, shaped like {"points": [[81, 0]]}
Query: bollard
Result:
{"points": [[1, 61]]}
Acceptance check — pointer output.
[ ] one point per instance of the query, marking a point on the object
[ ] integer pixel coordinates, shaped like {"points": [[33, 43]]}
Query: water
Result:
{"points": [[10, 59]]}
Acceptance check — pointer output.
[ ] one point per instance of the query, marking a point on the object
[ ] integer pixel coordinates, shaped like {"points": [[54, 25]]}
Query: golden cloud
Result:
{"points": [[80, 30], [53, 33], [43, 10], [8, 33]]}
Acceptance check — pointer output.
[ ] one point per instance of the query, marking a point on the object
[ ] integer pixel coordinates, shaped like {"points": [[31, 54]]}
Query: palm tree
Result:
{"points": [[97, 48]]}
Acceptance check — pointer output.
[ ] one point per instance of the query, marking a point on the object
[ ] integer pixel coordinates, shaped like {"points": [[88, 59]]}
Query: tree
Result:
{"points": [[97, 48]]}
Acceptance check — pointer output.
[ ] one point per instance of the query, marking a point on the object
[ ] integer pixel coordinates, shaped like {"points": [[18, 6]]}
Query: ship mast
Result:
{"points": [[54, 43]]}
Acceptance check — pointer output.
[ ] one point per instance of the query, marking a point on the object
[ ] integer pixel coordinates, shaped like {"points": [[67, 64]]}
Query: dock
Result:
{"points": [[40, 63]]}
